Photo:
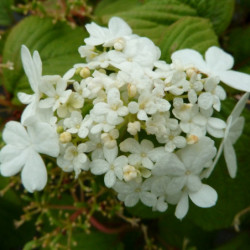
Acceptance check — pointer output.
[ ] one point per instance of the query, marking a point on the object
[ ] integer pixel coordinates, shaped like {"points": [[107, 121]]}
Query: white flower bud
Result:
{"points": [[109, 139], [84, 72], [129, 172], [65, 137], [119, 44], [134, 127], [132, 90]]}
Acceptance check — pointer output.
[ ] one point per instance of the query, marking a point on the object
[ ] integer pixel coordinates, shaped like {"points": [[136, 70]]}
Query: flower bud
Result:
{"points": [[65, 137]]}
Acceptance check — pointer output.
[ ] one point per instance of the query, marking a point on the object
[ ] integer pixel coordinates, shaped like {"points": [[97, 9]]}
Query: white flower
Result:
{"points": [[139, 51], [113, 109], [76, 124], [131, 192], [234, 129], [184, 168], [73, 158], [107, 36], [112, 166], [56, 95], [33, 69], [143, 153], [22, 152], [216, 63]]}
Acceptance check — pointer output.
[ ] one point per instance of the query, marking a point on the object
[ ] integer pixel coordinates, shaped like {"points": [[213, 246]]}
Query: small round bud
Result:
{"points": [[134, 127], [119, 44], [65, 137], [129, 172], [85, 72], [132, 90], [59, 129]]}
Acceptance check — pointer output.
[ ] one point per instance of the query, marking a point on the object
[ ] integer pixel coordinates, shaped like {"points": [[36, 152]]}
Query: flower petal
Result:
{"points": [[230, 158], [218, 60], [237, 80], [109, 179], [34, 173], [182, 207], [15, 134], [205, 197]]}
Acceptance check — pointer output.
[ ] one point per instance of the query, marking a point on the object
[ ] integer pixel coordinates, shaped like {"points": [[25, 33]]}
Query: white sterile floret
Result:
{"points": [[33, 69], [234, 128], [54, 87], [111, 166], [22, 152], [217, 63], [131, 192], [116, 30], [73, 158], [184, 169], [138, 51]]}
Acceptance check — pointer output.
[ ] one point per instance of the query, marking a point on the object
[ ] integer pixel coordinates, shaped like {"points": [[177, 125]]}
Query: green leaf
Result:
{"points": [[187, 33], [109, 7], [6, 16], [171, 24], [219, 12], [233, 194], [175, 232], [56, 43]]}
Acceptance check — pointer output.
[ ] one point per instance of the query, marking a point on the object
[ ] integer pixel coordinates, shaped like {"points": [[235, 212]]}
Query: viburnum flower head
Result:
{"points": [[146, 125]]}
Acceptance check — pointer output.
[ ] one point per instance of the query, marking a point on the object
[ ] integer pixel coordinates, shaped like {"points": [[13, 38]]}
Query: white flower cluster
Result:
{"points": [[146, 125]]}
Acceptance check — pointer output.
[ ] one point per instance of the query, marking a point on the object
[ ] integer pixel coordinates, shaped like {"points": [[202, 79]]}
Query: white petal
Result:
{"points": [[44, 138], [15, 134], [189, 58], [205, 100], [131, 199], [218, 60], [237, 80], [230, 158], [176, 184], [239, 106], [109, 178], [110, 154], [34, 173], [236, 129], [205, 197], [25, 98], [12, 160], [182, 207], [31, 69], [148, 198], [118, 27], [130, 145], [99, 167]]}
